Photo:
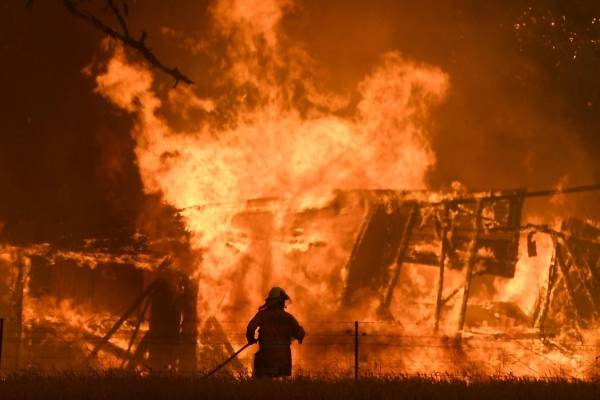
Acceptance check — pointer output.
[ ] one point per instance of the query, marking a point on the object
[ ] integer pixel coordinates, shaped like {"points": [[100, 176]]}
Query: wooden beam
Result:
{"points": [[166, 262], [584, 277], [134, 306], [440, 283], [568, 284], [138, 357], [545, 304], [136, 329], [470, 265], [111, 348], [399, 257]]}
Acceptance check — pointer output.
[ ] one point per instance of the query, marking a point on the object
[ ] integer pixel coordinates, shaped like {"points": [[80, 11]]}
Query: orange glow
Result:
{"points": [[270, 149], [258, 181], [294, 158]]}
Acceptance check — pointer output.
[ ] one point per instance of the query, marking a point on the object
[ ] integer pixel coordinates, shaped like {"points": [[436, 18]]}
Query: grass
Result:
{"points": [[118, 385]]}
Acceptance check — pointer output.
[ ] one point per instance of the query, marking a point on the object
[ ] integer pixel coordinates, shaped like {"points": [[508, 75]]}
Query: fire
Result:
{"points": [[530, 272], [261, 140], [274, 185], [270, 147]]}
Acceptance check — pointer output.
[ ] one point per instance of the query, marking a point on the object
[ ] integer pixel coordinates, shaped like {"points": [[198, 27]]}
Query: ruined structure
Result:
{"points": [[107, 281], [571, 294], [128, 305]]}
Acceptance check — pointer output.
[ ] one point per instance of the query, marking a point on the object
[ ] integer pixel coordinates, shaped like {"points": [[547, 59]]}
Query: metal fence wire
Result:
{"points": [[342, 348]]}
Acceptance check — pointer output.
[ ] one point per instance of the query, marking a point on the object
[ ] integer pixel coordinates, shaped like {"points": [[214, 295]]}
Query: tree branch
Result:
{"points": [[138, 45], [120, 18]]}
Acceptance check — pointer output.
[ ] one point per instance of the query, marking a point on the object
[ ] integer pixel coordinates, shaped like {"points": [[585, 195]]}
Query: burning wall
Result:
{"points": [[331, 282], [63, 300]]}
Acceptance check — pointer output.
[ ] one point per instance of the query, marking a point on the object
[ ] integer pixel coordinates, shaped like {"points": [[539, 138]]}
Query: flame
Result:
{"points": [[271, 147], [260, 139], [272, 134], [530, 272]]}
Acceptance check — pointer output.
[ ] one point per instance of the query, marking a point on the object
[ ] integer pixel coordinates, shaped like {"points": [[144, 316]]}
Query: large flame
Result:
{"points": [[273, 134], [269, 145]]}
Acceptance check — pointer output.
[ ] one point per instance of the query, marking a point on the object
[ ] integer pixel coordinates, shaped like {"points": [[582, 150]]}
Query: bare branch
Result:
{"points": [[120, 18], [125, 38]]}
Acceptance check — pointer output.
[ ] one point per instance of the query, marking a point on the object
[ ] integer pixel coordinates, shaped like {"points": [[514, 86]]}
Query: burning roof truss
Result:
{"points": [[480, 237], [572, 287], [389, 230]]}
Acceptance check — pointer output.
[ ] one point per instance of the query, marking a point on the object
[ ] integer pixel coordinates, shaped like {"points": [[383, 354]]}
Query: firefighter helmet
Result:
{"points": [[277, 293]]}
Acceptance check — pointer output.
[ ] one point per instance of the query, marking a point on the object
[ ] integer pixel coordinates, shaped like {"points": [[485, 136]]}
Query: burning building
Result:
{"points": [[401, 262], [274, 179]]}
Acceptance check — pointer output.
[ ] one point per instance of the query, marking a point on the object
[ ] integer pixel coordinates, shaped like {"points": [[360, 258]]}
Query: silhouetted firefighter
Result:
{"points": [[277, 328]]}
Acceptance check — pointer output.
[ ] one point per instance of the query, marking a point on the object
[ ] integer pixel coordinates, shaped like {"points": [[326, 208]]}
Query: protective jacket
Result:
{"points": [[277, 328]]}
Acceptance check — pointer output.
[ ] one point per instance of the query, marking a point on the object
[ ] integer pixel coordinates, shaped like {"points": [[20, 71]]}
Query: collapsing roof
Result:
{"points": [[570, 296], [381, 231], [397, 231]]}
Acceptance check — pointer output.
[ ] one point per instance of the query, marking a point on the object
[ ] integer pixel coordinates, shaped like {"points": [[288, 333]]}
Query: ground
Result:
{"points": [[117, 385]]}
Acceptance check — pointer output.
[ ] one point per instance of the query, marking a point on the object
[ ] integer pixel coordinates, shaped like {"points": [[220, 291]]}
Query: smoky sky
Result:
{"points": [[521, 111]]}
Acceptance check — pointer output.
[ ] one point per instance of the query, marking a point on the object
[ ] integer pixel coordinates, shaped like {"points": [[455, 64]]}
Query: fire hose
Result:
{"points": [[224, 363]]}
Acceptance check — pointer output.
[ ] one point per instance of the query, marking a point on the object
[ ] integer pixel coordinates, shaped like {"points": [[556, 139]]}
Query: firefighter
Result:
{"points": [[277, 328]]}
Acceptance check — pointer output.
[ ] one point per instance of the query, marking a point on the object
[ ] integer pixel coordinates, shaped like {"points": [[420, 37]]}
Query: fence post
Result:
{"points": [[355, 350], [1, 339]]}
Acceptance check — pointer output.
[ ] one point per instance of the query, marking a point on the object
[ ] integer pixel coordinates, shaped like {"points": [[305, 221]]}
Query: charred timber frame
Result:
{"points": [[563, 261], [444, 228], [136, 329], [583, 277], [368, 216], [132, 308], [462, 200], [400, 256], [24, 277], [538, 193], [395, 231], [580, 248], [138, 356], [470, 265], [548, 290], [570, 266], [502, 239], [568, 284], [187, 331]]}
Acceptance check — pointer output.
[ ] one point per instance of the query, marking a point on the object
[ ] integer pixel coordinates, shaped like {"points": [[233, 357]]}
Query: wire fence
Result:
{"points": [[342, 348]]}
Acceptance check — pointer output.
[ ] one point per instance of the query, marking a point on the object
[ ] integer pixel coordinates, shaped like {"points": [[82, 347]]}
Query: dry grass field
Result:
{"points": [[117, 385]]}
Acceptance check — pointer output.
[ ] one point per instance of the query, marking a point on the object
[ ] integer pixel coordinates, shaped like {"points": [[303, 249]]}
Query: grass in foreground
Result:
{"points": [[115, 386]]}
